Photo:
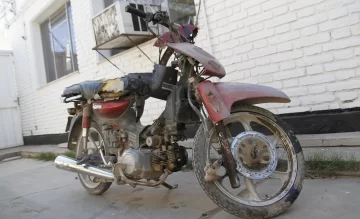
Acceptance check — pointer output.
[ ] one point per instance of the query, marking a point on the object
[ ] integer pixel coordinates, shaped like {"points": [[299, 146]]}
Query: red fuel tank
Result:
{"points": [[111, 109]]}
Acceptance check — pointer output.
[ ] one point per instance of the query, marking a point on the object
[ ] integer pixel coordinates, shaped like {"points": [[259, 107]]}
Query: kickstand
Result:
{"points": [[170, 186]]}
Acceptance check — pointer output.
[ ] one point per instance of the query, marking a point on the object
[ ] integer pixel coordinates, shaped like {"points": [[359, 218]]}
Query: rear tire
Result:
{"points": [[234, 207], [91, 187]]}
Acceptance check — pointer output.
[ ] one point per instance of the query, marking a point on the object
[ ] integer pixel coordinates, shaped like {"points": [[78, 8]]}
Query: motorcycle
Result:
{"points": [[238, 147]]}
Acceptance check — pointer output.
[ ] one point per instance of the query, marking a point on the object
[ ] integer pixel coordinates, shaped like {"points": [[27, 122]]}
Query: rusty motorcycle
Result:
{"points": [[245, 158]]}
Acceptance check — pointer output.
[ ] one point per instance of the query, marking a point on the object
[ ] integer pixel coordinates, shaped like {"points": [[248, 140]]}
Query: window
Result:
{"points": [[59, 44]]}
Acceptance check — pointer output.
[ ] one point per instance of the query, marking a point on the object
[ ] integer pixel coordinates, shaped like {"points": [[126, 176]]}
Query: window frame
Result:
{"points": [[64, 8]]}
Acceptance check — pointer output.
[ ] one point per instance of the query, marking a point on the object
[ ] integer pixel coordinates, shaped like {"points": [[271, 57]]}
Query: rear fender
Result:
{"points": [[74, 129], [220, 98]]}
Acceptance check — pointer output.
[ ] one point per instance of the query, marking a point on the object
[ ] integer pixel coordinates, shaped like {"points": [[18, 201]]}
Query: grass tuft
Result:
{"points": [[320, 162], [45, 156], [70, 154]]}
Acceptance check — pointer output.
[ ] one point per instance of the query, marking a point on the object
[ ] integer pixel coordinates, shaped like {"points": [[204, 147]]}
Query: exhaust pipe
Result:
{"points": [[68, 164]]}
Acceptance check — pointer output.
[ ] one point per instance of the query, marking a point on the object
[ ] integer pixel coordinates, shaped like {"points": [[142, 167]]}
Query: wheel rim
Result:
{"points": [[87, 180], [249, 194]]}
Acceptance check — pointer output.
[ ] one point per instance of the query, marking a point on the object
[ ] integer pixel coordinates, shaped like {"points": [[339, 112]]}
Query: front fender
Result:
{"points": [[219, 98]]}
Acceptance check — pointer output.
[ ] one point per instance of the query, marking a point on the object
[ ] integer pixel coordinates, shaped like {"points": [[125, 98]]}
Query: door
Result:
{"points": [[10, 125]]}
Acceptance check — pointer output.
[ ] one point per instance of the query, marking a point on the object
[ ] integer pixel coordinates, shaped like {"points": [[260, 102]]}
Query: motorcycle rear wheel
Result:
{"points": [[249, 202], [94, 188]]}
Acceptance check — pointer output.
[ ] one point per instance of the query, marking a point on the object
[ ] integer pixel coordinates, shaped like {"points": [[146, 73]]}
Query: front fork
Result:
{"points": [[228, 158]]}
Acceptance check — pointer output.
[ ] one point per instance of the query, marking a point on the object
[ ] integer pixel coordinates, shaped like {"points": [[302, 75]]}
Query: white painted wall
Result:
{"points": [[308, 48]]}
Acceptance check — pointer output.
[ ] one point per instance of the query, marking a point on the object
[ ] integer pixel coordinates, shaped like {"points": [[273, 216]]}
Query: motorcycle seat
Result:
{"points": [[88, 89]]}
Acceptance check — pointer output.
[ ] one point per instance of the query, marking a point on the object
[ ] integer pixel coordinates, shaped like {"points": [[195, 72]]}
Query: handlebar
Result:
{"points": [[136, 12]]}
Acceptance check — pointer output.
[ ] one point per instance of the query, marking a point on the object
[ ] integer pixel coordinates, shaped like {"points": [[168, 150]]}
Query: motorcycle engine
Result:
{"points": [[150, 164]]}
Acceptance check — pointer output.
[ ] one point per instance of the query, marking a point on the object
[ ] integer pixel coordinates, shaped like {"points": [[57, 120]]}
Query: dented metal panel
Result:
{"points": [[213, 101], [219, 98], [213, 67]]}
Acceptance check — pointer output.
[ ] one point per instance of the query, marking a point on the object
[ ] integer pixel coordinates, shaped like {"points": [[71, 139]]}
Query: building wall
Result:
{"points": [[308, 48]]}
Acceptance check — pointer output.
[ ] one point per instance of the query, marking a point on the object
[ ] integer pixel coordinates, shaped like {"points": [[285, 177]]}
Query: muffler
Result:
{"points": [[68, 164]]}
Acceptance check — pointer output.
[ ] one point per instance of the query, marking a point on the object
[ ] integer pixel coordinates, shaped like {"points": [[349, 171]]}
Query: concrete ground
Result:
{"points": [[34, 189]]}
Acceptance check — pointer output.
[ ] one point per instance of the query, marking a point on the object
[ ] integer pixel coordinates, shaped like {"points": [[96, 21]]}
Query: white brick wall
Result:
{"points": [[308, 48]]}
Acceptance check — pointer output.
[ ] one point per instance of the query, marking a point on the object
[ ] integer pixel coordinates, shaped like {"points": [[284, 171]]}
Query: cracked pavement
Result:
{"points": [[35, 189]]}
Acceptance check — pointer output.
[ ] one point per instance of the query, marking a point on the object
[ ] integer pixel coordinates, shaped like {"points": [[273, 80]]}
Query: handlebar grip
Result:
{"points": [[135, 11]]}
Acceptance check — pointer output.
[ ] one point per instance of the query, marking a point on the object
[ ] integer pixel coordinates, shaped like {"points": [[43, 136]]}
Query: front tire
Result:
{"points": [[94, 188], [256, 208]]}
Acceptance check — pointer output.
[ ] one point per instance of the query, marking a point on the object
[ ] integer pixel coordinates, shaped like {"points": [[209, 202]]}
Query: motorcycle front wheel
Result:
{"points": [[265, 191]]}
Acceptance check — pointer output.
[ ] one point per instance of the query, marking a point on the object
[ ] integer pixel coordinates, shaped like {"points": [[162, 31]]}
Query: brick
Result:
{"points": [[254, 10], [262, 61], [344, 85], [343, 54], [284, 37], [286, 18], [243, 48], [344, 75], [245, 65], [290, 82], [225, 37], [296, 91], [311, 40], [280, 10], [341, 22], [241, 32], [317, 79], [307, 31], [248, 4], [316, 69], [286, 56], [345, 64], [262, 52], [342, 44], [302, 4], [225, 45], [219, 7], [274, 84], [328, 5], [284, 47], [265, 78], [260, 44], [318, 59], [357, 51], [259, 35], [282, 29], [234, 76], [355, 30], [346, 95], [311, 20], [341, 33], [226, 53], [316, 99], [287, 65], [289, 74], [257, 27], [257, 18], [294, 102], [273, 4], [317, 89], [305, 12], [337, 12], [354, 7], [264, 69], [237, 16], [294, 110], [312, 50]]}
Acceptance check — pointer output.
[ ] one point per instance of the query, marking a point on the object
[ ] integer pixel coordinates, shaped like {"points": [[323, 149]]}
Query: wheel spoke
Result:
{"points": [[252, 188], [283, 176], [246, 125]]}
